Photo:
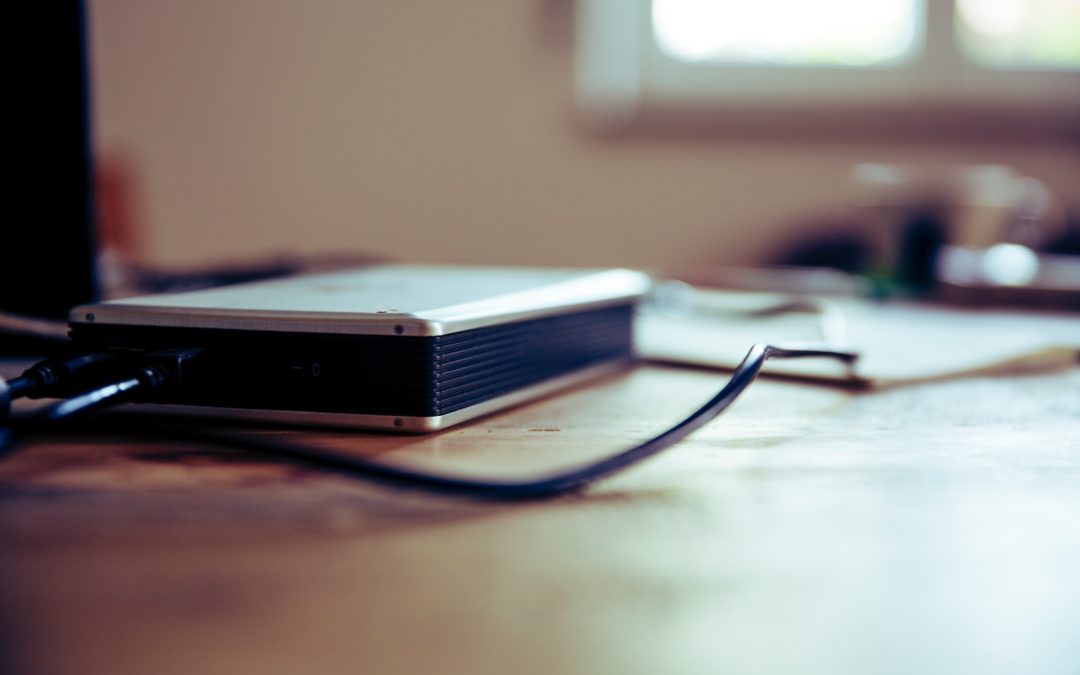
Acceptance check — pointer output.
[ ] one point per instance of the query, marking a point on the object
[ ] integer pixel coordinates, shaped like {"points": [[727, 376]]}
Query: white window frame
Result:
{"points": [[624, 79]]}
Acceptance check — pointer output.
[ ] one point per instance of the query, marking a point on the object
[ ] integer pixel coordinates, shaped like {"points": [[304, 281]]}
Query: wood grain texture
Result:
{"points": [[923, 529]]}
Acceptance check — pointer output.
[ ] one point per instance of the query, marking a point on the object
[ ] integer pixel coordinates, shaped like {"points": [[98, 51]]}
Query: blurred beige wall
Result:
{"points": [[436, 132]]}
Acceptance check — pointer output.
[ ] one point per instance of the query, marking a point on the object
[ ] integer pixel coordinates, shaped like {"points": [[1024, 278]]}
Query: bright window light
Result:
{"points": [[790, 32], [1020, 33]]}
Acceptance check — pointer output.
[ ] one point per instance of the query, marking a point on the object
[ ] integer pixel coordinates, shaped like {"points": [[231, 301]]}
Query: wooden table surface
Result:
{"points": [[924, 529]]}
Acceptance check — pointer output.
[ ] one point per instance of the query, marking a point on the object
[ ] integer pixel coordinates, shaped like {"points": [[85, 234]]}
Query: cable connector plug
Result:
{"points": [[59, 376], [5, 404], [138, 378], [164, 369]]}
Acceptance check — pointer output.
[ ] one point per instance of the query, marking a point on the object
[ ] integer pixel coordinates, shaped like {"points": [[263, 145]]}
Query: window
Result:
{"points": [[975, 61], [1031, 34], [782, 32]]}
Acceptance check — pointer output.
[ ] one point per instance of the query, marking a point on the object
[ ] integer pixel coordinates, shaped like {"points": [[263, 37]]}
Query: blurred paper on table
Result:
{"points": [[897, 342]]}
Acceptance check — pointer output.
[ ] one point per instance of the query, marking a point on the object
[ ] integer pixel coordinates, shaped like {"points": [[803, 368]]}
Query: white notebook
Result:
{"points": [[898, 342]]}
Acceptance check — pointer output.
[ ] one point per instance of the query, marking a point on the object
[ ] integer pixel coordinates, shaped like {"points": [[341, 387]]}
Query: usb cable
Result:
{"points": [[154, 372]]}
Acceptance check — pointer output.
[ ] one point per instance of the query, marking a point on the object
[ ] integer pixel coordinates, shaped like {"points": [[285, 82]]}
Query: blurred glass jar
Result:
{"points": [[913, 213]]}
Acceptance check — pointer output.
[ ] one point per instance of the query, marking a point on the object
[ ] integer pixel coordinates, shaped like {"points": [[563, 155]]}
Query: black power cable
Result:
{"points": [[5, 405], [548, 485], [51, 376], [95, 399], [140, 376], [58, 377]]}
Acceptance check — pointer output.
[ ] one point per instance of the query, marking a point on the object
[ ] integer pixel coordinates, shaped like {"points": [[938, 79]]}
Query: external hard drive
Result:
{"points": [[407, 348]]}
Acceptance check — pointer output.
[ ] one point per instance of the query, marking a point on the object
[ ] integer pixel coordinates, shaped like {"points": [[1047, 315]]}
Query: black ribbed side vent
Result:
{"points": [[477, 365]]}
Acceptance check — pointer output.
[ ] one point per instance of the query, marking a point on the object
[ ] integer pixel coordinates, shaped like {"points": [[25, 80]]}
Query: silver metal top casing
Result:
{"points": [[412, 300]]}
